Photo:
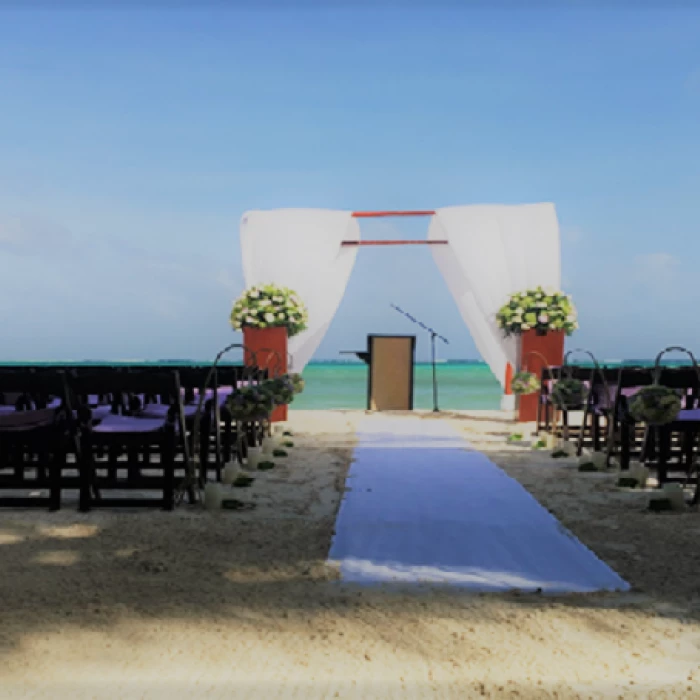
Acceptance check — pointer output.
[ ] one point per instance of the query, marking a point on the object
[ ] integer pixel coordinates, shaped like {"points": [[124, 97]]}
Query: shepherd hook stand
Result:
{"points": [[433, 335]]}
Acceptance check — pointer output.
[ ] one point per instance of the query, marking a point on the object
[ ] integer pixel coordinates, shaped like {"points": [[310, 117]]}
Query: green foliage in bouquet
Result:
{"points": [[270, 306], [280, 389], [538, 309], [250, 403], [297, 382], [525, 383], [569, 393], [655, 404]]}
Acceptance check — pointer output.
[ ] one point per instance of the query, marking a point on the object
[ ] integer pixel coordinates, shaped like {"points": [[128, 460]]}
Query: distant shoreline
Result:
{"points": [[354, 363]]}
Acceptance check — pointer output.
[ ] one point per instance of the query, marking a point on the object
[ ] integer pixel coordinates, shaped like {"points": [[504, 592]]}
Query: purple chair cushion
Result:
{"points": [[160, 410], [25, 420], [689, 415], [101, 412], [128, 424]]}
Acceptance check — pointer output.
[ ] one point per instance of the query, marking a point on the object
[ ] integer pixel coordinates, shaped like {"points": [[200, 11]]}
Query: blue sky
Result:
{"points": [[132, 140]]}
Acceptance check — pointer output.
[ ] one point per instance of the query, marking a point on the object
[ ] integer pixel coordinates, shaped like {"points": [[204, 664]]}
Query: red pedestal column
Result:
{"points": [[270, 348], [551, 347]]}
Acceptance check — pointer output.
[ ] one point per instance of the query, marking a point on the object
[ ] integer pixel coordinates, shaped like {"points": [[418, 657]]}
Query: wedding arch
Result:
{"points": [[484, 252]]}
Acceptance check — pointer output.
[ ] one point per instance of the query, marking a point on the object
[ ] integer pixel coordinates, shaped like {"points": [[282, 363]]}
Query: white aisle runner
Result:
{"points": [[424, 506]]}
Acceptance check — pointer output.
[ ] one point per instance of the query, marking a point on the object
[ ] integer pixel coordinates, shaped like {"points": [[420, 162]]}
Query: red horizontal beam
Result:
{"points": [[377, 214], [394, 243]]}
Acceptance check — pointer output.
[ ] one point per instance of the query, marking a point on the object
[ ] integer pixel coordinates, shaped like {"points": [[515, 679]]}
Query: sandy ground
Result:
{"points": [[193, 604]]}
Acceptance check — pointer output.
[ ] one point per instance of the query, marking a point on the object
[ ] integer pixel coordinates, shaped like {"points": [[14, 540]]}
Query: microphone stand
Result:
{"points": [[433, 335]]}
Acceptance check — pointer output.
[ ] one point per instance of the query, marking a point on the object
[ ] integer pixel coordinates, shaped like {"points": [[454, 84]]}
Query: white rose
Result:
{"points": [[269, 317], [254, 294], [525, 326], [250, 319], [571, 317], [281, 316], [278, 300], [265, 302], [520, 311], [517, 319]]}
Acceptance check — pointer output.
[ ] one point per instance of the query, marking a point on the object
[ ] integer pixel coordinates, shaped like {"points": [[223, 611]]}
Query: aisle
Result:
{"points": [[424, 506]]}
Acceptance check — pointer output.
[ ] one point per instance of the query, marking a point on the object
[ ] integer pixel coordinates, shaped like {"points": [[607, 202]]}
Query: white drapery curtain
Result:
{"points": [[301, 249], [493, 251]]}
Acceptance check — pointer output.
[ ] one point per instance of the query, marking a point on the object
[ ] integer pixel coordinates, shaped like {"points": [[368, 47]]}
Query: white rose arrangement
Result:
{"points": [[537, 309], [270, 306]]}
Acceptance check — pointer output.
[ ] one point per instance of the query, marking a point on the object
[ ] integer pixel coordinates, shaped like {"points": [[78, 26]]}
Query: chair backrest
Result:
{"points": [[124, 384], [31, 389], [33, 394], [580, 372], [632, 377]]}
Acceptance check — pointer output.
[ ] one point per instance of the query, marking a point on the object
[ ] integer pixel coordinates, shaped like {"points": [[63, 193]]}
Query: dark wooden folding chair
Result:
{"points": [[127, 450], [562, 414], [599, 402], [545, 408], [228, 380], [36, 438], [621, 428], [671, 447]]}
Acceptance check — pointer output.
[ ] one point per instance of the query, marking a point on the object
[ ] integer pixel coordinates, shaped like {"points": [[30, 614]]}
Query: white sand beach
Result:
{"points": [[194, 604]]}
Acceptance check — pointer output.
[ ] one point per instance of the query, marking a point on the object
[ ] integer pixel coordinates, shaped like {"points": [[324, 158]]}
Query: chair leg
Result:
{"points": [[688, 450], [55, 479], [204, 447], [664, 444], [227, 439], [625, 436], [595, 427], [86, 470], [168, 456], [610, 440], [584, 421]]}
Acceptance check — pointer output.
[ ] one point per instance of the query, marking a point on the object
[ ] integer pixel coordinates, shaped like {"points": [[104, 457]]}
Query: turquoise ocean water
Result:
{"points": [[461, 385]]}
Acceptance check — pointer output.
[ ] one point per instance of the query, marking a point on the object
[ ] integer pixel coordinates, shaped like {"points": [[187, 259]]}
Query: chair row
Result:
{"points": [[113, 429], [607, 424]]}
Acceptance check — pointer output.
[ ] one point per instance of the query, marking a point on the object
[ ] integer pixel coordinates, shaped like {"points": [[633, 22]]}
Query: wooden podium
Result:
{"points": [[390, 378]]}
